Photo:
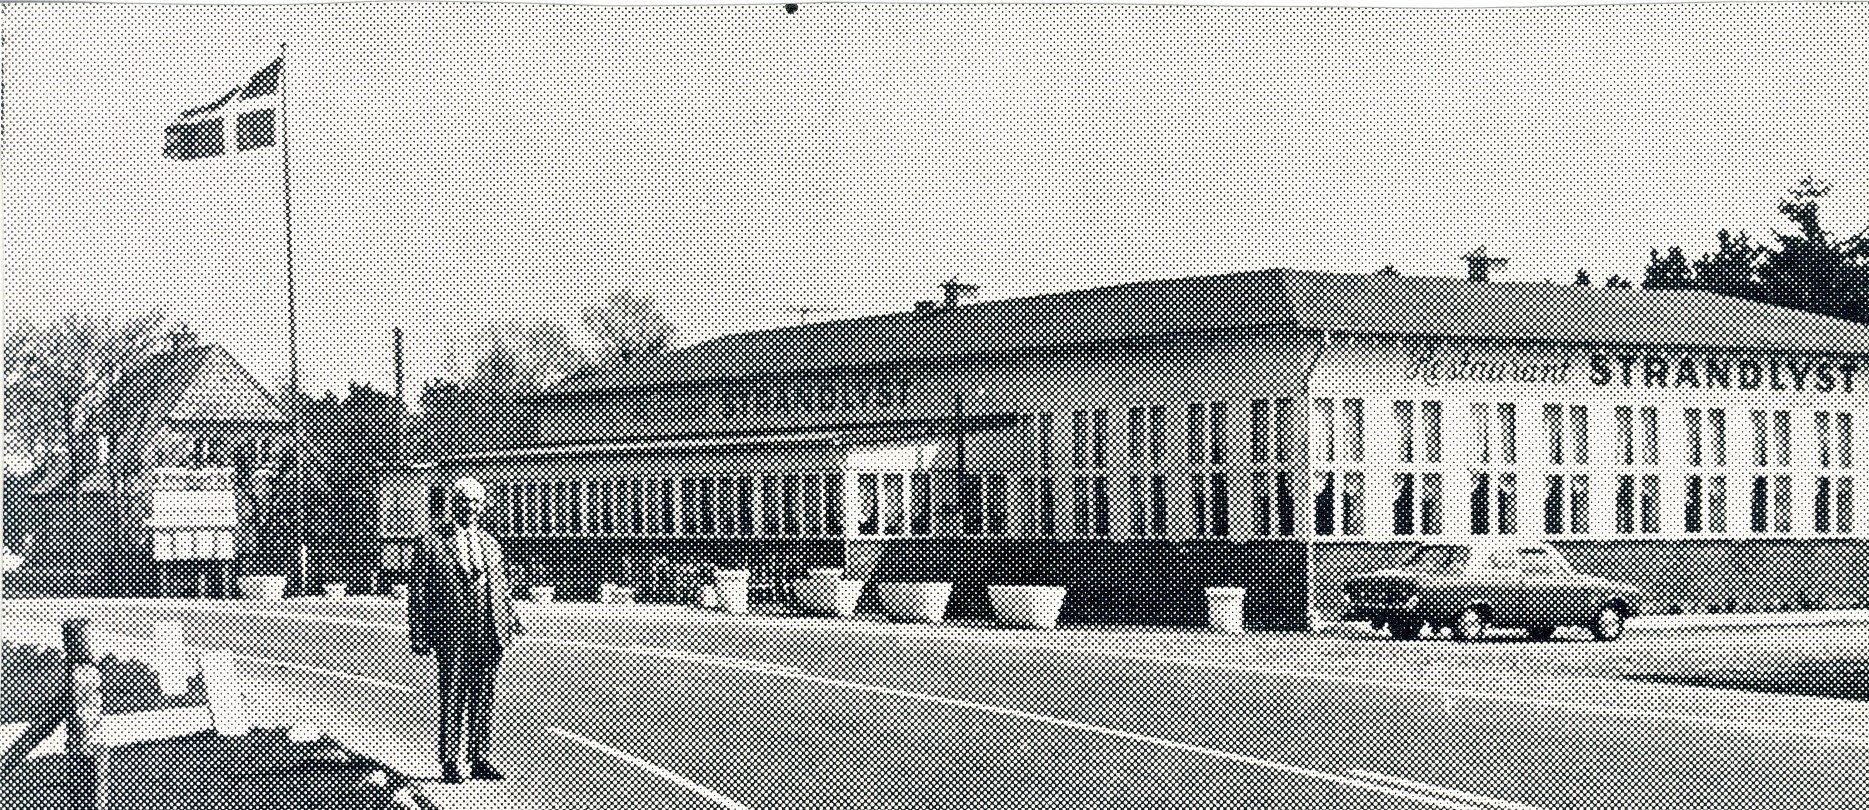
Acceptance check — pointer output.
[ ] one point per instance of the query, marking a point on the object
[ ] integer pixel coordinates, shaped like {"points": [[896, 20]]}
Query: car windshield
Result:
{"points": [[1437, 559]]}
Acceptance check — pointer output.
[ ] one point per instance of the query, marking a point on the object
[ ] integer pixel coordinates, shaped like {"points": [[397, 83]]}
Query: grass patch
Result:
{"points": [[1841, 678], [262, 770]]}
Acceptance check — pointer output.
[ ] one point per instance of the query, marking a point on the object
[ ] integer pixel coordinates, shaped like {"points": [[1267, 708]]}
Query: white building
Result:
{"points": [[1277, 430]]}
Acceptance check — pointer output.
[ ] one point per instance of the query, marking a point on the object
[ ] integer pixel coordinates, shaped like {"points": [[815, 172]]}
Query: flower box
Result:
{"points": [[610, 593], [1226, 609], [915, 601], [335, 590], [829, 596], [1026, 605], [542, 593], [730, 586]]}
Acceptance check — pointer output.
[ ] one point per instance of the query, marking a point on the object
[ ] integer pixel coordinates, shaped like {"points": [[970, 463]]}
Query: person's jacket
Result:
{"points": [[443, 595]]}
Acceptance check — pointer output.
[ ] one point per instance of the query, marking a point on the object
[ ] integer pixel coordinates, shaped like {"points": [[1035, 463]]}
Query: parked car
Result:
{"points": [[1473, 585]]}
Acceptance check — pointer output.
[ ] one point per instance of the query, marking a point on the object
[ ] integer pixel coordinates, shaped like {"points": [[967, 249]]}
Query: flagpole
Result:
{"points": [[302, 459]]}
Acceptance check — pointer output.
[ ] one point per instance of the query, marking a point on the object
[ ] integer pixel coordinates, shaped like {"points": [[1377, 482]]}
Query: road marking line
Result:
{"points": [[1060, 722], [669, 775], [363, 679], [1346, 680], [1424, 787]]}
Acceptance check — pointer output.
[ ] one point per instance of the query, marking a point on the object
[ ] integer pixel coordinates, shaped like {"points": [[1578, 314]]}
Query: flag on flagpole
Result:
{"points": [[245, 118]]}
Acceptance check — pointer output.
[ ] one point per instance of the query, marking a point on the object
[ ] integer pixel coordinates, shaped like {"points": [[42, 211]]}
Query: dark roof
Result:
{"points": [[194, 384], [1431, 306]]}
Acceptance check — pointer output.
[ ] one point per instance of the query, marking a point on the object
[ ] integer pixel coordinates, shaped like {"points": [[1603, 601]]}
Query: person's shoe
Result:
{"points": [[450, 773], [481, 769]]}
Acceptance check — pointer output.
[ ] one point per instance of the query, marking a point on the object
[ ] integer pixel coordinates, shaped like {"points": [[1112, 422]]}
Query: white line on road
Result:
{"points": [[1473, 798], [699, 790], [363, 679], [1321, 677]]}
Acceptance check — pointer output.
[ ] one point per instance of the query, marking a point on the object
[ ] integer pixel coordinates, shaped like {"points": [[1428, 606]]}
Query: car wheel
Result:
{"points": [[1471, 624], [1406, 629], [1608, 624], [1541, 633]]}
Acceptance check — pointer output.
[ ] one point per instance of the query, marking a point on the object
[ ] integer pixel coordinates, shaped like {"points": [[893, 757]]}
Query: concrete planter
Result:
{"points": [[334, 590], [708, 597], [610, 593], [542, 593], [399, 592], [1026, 605], [730, 585], [915, 601], [829, 596], [1226, 609], [263, 587]]}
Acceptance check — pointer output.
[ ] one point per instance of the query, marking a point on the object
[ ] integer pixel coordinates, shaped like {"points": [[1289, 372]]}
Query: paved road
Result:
{"points": [[605, 706]]}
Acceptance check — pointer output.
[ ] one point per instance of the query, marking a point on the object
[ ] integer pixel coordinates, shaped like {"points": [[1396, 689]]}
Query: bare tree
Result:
{"points": [[58, 371], [626, 329]]}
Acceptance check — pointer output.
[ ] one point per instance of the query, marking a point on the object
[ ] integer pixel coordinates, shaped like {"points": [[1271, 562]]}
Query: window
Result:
{"points": [[1651, 503], [1078, 437], [1781, 431], [833, 503], [1217, 424], [771, 520], [1042, 439], [1405, 432], [1508, 433], [1099, 438], [688, 523], [1716, 430], [1761, 440], [995, 497], [705, 505], [1324, 432], [1690, 418], [1197, 432], [1554, 431], [1135, 436], [1259, 432], [920, 502], [1508, 498], [1431, 432], [1353, 431], [1285, 429], [788, 504], [1691, 520], [1157, 418], [1716, 504], [892, 504], [868, 516]]}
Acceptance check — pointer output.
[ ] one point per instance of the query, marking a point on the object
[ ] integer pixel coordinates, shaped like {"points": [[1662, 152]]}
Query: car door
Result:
{"points": [[1543, 587], [1497, 581]]}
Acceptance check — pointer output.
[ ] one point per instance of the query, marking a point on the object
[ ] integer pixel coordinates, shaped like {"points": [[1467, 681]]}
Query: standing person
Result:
{"points": [[461, 609]]}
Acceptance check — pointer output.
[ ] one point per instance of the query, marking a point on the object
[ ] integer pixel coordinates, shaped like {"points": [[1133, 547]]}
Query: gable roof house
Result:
{"points": [[189, 418]]}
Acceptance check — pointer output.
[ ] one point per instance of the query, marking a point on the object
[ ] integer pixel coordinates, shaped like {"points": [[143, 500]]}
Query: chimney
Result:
{"points": [[181, 340], [1480, 266]]}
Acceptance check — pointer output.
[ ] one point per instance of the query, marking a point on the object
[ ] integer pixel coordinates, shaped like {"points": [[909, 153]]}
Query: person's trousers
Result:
{"points": [[466, 675]]}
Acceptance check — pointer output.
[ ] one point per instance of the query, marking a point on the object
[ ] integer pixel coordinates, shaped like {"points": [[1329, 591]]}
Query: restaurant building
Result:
{"points": [[1275, 430]]}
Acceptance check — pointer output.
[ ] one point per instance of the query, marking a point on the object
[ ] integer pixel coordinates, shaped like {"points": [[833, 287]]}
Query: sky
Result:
{"points": [[456, 164]]}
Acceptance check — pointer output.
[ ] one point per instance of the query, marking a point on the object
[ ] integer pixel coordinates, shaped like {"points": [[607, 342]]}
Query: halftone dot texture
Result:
{"points": [[1130, 405]]}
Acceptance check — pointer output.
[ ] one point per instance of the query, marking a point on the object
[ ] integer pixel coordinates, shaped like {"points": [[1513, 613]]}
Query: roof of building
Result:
{"points": [[192, 384], [1428, 306]]}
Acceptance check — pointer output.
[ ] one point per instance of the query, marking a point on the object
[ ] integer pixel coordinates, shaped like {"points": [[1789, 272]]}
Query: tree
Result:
{"points": [[490, 408], [57, 372], [627, 329], [1810, 269]]}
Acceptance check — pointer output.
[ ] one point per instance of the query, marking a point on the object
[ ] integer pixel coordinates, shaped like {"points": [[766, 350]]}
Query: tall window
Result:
{"points": [[1337, 457], [1207, 450], [1148, 497], [1834, 495], [1492, 495], [1418, 488]]}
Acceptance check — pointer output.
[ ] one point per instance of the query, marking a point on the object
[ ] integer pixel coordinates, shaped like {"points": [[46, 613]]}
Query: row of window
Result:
{"points": [[895, 504]]}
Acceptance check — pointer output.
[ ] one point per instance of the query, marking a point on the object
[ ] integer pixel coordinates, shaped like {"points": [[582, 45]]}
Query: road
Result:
{"points": [[607, 706]]}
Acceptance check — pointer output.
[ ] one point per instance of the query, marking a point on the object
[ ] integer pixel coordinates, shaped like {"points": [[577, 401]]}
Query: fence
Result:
{"points": [[78, 701]]}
